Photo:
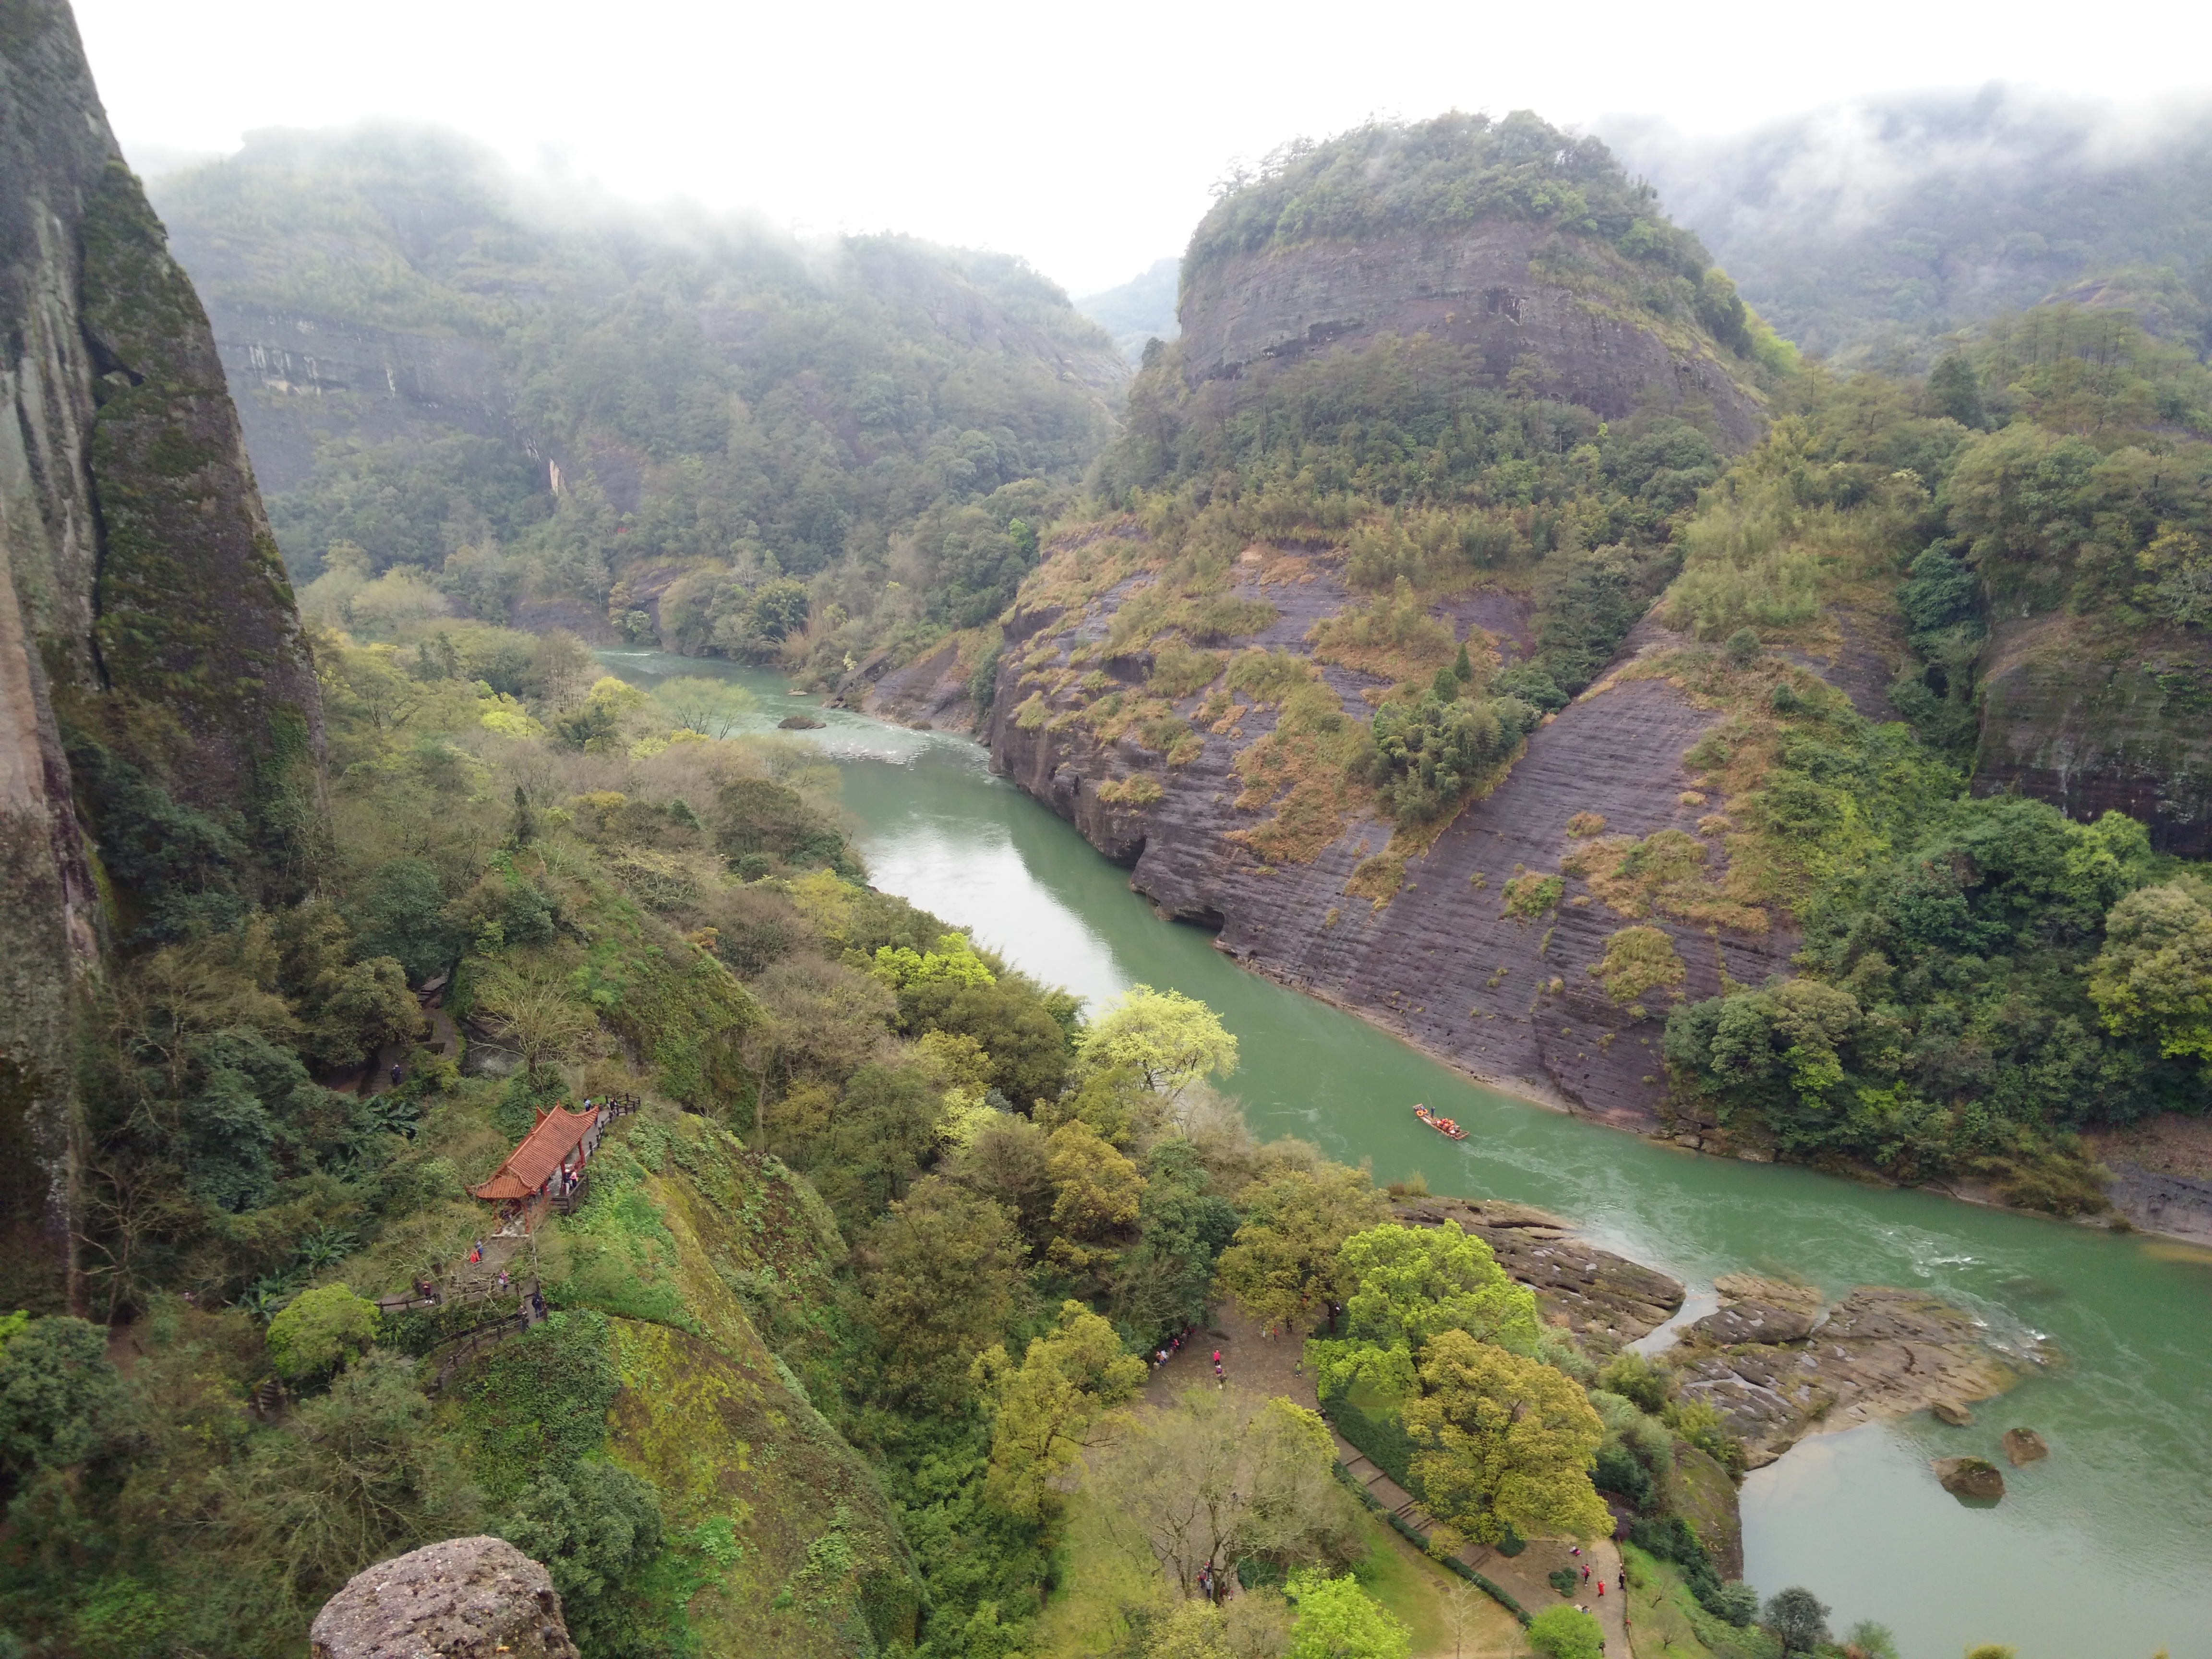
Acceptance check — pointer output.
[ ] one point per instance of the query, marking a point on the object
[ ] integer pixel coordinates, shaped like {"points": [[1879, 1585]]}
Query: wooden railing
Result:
{"points": [[461, 1349]]}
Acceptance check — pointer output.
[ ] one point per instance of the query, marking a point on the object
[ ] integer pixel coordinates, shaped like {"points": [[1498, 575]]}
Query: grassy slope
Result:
{"points": [[680, 1214]]}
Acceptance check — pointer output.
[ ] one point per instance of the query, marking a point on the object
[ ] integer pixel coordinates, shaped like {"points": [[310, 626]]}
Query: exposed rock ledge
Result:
{"points": [[1778, 1370], [2162, 1175], [1775, 1366], [1606, 1299]]}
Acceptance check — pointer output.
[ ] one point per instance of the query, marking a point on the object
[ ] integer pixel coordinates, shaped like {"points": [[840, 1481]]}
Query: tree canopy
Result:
{"points": [[1506, 1442]]}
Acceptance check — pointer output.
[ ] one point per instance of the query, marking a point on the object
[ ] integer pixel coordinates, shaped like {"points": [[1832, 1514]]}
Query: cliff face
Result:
{"points": [[2095, 722], [143, 604], [1510, 290], [1444, 961]]}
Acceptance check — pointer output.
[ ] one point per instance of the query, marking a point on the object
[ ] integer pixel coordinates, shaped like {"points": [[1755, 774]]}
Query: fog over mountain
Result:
{"points": [[1878, 224]]}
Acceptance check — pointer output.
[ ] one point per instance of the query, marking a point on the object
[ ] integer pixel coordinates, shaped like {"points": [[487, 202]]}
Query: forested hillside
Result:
{"points": [[1348, 680], [463, 394], [1869, 231]]}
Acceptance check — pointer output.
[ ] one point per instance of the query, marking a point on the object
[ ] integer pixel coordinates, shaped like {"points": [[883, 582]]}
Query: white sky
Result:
{"points": [[1082, 138]]}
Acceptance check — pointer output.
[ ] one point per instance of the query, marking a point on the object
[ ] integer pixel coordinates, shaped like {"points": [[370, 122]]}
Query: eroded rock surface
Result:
{"points": [[1474, 288], [2095, 722], [1604, 1298], [467, 1598], [1442, 962], [140, 588], [2161, 1174], [1878, 1353]]}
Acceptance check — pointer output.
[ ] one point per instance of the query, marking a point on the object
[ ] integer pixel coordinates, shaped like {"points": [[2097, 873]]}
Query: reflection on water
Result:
{"points": [[2104, 1550]]}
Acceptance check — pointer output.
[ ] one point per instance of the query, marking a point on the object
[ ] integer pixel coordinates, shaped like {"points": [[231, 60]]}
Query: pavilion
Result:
{"points": [[548, 1164]]}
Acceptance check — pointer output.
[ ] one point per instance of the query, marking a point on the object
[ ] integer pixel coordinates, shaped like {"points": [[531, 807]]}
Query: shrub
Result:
{"points": [[1566, 1633], [1638, 960], [1530, 895], [1136, 790], [319, 1330]]}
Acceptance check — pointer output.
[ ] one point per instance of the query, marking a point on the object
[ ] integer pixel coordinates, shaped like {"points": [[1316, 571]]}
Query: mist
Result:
{"points": [[1084, 140]]}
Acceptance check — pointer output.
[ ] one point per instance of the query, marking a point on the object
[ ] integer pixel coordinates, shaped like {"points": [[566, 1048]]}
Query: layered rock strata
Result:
{"points": [[1444, 961], [1486, 287], [2097, 722], [1777, 1369]]}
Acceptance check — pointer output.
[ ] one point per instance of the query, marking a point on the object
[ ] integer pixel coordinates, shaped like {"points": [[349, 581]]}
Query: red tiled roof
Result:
{"points": [[557, 1135]]}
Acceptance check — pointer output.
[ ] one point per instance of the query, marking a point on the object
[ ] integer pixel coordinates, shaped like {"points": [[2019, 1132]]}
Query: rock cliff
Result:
{"points": [[2096, 720], [1496, 287], [143, 604], [1444, 961]]}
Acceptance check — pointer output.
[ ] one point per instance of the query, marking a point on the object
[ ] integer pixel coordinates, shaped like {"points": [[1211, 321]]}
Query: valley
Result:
{"points": [[728, 941]]}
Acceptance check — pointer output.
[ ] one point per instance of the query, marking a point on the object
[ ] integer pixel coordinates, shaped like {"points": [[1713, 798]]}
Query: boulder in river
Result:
{"points": [[1754, 1310], [2023, 1447], [798, 723], [1970, 1477], [1951, 1411]]}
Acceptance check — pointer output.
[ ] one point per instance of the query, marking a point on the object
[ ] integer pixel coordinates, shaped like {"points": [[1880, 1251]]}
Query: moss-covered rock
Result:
{"points": [[139, 587]]}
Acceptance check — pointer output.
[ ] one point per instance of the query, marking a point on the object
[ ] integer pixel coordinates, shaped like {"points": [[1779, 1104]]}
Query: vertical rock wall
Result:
{"points": [[139, 586]]}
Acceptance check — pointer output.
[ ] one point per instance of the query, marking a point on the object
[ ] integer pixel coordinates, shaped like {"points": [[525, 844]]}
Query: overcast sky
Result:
{"points": [[1084, 138]]}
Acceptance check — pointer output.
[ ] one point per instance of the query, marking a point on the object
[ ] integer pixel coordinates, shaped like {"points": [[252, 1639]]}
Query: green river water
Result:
{"points": [[2103, 1552]]}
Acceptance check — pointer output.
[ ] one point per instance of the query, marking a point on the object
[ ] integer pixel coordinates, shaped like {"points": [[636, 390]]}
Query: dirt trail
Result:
{"points": [[1273, 1365]]}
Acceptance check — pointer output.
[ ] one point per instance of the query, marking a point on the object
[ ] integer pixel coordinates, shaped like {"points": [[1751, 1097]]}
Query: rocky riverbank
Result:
{"points": [[1779, 1364], [1776, 1360]]}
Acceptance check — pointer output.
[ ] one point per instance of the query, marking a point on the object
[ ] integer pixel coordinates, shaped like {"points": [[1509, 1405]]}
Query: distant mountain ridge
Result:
{"points": [[1870, 228], [535, 406]]}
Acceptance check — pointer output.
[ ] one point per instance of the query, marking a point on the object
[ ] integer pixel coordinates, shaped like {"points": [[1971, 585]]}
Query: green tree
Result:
{"points": [[1048, 1408], [1566, 1632], [1191, 1629], [940, 1273], [1798, 1620], [712, 707], [357, 1475], [1339, 1620], [1282, 1265], [59, 1395], [1096, 1192], [1404, 1285], [1161, 1283], [319, 1330], [399, 912], [595, 1527], [1507, 1442], [1172, 1039], [2153, 977]]}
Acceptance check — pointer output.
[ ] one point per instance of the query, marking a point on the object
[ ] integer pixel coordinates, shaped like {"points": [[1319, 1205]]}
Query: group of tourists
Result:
{"points": [[1174, 1346]]}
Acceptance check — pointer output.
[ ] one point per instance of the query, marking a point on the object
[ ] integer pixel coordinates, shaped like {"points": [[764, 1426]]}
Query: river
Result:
{"points": [[2102, 1551]]}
